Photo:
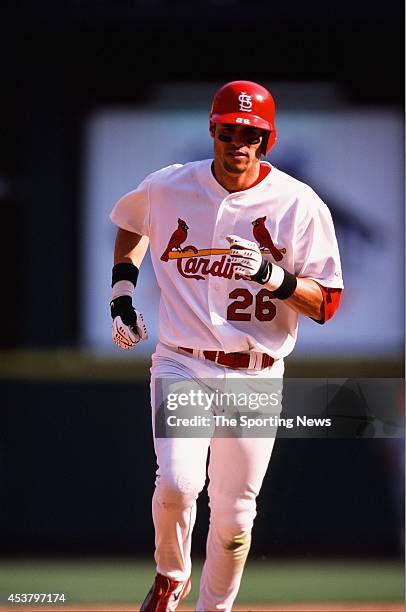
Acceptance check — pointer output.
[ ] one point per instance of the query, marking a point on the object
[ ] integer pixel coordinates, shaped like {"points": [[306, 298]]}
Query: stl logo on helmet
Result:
{"points": [[245, 101]]}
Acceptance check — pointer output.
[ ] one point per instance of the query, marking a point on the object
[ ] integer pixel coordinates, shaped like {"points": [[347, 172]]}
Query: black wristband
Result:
{"points": [[287, 288], [264, 273], [124, 271]]}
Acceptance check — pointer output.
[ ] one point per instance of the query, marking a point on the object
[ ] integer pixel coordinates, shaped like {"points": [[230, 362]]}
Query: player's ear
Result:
{"points": [[212, 129]]}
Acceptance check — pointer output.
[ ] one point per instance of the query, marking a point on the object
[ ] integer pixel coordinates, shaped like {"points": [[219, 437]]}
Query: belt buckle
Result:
{"points": [[216, 356]]}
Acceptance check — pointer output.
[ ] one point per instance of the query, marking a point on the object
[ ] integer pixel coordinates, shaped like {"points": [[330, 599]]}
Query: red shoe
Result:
{"points": [[165, 594]]}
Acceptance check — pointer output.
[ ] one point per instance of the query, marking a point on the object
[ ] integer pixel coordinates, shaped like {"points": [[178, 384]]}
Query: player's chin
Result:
{"points": [[236, 165]]}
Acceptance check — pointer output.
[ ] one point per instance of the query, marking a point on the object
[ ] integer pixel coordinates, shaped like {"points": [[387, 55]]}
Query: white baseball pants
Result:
{"points": [[236, 470]]}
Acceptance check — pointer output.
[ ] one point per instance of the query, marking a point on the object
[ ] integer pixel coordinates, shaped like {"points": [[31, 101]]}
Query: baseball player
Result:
{"points": [[239, 250]]}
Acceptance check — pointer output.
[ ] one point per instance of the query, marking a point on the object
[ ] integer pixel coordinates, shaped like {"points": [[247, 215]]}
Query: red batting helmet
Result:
{"points": [[245, 103]]}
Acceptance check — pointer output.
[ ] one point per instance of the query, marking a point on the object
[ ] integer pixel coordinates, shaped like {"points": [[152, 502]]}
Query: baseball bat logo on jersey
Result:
{"points": [[197, 263]]}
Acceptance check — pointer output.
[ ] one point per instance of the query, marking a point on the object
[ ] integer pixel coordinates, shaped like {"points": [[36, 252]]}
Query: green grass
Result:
{"points": [[128, 581], [81, 365], [323, 581]]}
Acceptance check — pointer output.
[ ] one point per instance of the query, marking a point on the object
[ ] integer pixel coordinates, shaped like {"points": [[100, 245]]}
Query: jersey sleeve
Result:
{"points": [[316, 253], [132, 211]]}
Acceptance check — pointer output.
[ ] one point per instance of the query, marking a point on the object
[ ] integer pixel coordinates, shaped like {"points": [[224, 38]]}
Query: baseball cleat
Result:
{"points": [[165, 594]]}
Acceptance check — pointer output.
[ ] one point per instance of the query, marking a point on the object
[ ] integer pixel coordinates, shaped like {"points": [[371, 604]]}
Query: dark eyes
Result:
{"points": [[254, 139]]}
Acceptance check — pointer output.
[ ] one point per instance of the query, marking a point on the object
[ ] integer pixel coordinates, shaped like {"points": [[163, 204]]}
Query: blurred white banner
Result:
{"points": [[354, 161]]}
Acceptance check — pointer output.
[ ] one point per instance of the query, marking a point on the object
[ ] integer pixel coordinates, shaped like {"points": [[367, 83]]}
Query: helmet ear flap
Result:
{"points": [[270, 141], [264, 144]]}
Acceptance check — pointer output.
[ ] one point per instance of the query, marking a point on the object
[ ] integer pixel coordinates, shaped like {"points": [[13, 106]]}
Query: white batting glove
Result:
{"points": [[128, 324], [245, 256]]}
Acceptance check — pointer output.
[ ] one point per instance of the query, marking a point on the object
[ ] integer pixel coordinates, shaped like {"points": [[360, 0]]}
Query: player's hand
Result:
{"points": [[128, 324], [245, 256]]}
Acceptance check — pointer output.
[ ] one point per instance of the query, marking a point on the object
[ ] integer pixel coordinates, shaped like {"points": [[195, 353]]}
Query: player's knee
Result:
{"points": [[240, 542], [234, 527], [177, 491]]}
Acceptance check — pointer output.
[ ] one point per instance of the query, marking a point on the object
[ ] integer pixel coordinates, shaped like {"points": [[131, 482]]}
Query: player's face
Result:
{"points": [[237, 147]]}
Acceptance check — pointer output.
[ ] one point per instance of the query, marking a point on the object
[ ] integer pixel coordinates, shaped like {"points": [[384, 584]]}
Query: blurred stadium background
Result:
{"points": [[96, 94]]}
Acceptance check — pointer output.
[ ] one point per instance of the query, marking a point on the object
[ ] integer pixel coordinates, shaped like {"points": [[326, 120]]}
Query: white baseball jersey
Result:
{"points": [[204, 305]]}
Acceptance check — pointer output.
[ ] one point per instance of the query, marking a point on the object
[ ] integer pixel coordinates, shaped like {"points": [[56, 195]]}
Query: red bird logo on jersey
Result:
{"points": [[263, 237], [178, 237]]}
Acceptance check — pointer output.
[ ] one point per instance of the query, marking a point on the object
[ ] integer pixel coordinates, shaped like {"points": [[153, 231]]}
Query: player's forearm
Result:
{"points": [[307, 299], [130, 247], [128, 324]]}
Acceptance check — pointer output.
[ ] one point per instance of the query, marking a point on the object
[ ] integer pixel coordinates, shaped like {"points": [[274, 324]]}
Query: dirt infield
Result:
{"points": [[266, 607]]}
